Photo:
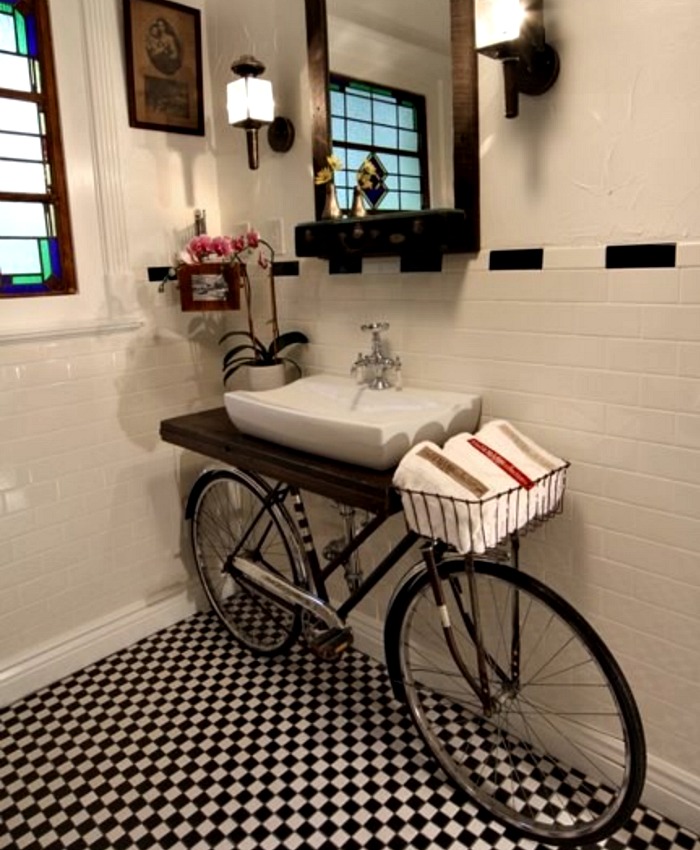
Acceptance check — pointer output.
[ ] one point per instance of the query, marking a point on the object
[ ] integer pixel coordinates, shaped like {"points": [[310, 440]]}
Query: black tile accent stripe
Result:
{"points": [[345, 265], [422, 261], [286, 268], [656, 255], [516, 259], [158, 273]]}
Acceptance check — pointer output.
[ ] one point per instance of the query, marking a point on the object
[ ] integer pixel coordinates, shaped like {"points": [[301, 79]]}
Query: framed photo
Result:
{"points": [[163, 43], [209, 286]]}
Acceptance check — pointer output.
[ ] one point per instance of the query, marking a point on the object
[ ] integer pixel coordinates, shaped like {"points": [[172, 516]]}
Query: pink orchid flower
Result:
{"points": [[222, 246], [253, 238], [200, 247], [238, 244]]}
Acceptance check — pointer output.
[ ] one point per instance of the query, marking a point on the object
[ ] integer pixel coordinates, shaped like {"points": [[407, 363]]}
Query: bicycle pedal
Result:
{"points": [[331, 643]]}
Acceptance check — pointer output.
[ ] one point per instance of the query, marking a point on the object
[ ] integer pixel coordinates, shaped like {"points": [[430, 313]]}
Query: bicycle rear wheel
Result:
{"points": [[559, 752], [232, 514]]}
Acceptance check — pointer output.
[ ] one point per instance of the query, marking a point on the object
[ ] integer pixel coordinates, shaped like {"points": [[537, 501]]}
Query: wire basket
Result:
{"points": [[479, 525]]}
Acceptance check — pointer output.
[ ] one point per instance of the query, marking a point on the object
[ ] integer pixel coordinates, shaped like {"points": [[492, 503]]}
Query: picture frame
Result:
{"points": [[163, 42], [209, 286]]}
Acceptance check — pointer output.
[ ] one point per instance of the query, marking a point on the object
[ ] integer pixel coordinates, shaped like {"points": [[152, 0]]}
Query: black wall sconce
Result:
{"points": [[513, 31], [250, 106]]}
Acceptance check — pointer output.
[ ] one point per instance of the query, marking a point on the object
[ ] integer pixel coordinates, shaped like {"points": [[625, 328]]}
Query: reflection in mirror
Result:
{"points": [[380, 135], [404, 56], [369, 40]]}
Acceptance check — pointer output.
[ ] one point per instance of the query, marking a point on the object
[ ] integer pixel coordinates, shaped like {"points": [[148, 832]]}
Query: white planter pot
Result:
{"points": [[266, 377]]}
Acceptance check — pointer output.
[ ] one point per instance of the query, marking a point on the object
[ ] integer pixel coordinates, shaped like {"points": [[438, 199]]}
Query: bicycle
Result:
{"points": [[515, 695]]}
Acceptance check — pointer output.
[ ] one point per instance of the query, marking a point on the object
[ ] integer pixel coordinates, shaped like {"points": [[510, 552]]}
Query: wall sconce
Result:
{"points": [[513, 31], [250, 106]]}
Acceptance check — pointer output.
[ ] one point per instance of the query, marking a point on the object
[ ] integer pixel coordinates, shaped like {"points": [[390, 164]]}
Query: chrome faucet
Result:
{"points": [[372, 368]]}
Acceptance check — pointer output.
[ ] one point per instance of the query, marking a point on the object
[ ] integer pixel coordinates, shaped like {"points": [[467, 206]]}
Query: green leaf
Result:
{"points": [[230, 355], [243, 361], [287, 339], [229, 334]]}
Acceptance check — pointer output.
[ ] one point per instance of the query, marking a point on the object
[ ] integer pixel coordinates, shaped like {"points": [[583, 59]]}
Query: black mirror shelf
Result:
{"points": [[419, 239]]}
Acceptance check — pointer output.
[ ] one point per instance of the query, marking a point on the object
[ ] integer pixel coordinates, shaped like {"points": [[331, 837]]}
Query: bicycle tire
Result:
{"points": [[562, 757], [230, 513]]}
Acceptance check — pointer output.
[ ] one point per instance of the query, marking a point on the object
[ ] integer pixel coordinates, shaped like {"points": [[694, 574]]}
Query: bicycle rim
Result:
{"points": [[560, 753], [230, 516]]}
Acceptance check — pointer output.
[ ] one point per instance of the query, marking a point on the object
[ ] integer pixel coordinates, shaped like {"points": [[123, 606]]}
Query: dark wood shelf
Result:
{"points": [[419, 238], [211, 433]]}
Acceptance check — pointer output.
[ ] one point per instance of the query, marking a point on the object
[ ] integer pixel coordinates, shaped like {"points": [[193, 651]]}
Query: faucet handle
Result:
{"points": [[357, 368], [375, 327]]}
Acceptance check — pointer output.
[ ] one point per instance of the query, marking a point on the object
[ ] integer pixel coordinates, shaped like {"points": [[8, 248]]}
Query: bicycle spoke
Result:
{"points": [[550, 752], [235, 515]]}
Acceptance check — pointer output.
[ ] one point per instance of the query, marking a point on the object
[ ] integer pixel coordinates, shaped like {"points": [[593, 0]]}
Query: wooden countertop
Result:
{"points": [[212, 433]]}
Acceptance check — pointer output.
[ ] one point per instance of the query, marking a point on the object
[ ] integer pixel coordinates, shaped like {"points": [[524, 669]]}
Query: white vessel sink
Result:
{"points": [[335, 417]]}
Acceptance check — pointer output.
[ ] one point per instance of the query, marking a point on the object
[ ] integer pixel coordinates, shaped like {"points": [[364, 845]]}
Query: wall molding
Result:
{"points": [[673, 792], [103, 55], [25, 674], [108, 326]]}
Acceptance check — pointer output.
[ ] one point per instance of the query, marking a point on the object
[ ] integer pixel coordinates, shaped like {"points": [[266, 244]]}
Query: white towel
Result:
{"points": [[445, 498], [480, 488], [528, 467]]}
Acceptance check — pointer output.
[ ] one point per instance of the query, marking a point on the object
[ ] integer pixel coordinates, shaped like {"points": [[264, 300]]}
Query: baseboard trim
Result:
{"points": [[25, 674], [673, 792], [368, 636], [669, 791]]}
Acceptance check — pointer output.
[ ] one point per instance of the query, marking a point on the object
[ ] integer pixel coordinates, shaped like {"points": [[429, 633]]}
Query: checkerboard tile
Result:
{"points": [[186, 741]]}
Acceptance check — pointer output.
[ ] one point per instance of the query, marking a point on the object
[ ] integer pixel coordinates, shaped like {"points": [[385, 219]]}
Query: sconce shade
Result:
{"points": [[513, 31], [497, 25], [250, 105], [249, 102]]}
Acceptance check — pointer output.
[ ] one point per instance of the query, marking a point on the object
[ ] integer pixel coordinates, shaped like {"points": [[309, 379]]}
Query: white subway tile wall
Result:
{"points": [[601, 366], [89, 496]]}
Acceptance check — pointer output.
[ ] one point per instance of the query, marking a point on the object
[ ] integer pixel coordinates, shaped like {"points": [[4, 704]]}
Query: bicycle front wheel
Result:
{"points": [[547, 738], [233, 514]]}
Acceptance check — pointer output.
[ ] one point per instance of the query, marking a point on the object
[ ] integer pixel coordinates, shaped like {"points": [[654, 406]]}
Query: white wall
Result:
{"points": [[611, 153], [89, 503], [602, 366], [379, 43]]}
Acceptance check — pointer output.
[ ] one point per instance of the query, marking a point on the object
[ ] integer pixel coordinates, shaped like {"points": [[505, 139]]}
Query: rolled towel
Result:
{"points": [[444, 500], [531, 467], [480, 488]]}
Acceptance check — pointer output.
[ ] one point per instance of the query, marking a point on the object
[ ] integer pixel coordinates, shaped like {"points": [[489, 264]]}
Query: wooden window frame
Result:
{"points": [[417, 101], [57, 196]]}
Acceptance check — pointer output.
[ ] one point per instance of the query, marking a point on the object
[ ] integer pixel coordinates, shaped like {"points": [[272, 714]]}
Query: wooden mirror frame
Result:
{"points": [[465, 109]]}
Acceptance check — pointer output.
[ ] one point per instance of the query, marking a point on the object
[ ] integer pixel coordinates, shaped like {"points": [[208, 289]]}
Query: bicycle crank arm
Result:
{"points": [[285, 591]]}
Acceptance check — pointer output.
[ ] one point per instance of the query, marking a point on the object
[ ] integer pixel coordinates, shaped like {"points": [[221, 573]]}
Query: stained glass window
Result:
{"points": [[35, 239], [387, 127]]}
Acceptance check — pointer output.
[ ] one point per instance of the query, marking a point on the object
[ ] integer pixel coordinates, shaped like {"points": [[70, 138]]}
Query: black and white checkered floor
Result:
{"points": [[186, 741]]}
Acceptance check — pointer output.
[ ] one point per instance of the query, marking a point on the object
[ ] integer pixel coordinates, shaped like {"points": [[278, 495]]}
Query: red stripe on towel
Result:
{"points": [[504, 463]]}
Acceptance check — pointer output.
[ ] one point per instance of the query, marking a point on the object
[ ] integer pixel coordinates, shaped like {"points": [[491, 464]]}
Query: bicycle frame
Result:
{"points": [[320, 575]]}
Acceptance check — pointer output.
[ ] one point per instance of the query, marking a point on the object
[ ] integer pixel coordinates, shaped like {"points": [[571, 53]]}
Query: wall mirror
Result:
{"points": [[456, 183]]}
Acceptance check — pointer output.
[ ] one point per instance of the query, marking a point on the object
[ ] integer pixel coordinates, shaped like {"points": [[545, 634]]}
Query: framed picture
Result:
{"points": [[209, 286], [164, 66]]}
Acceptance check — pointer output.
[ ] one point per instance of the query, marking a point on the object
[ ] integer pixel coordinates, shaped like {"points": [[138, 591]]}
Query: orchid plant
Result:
{"points": [[242, 250]]}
